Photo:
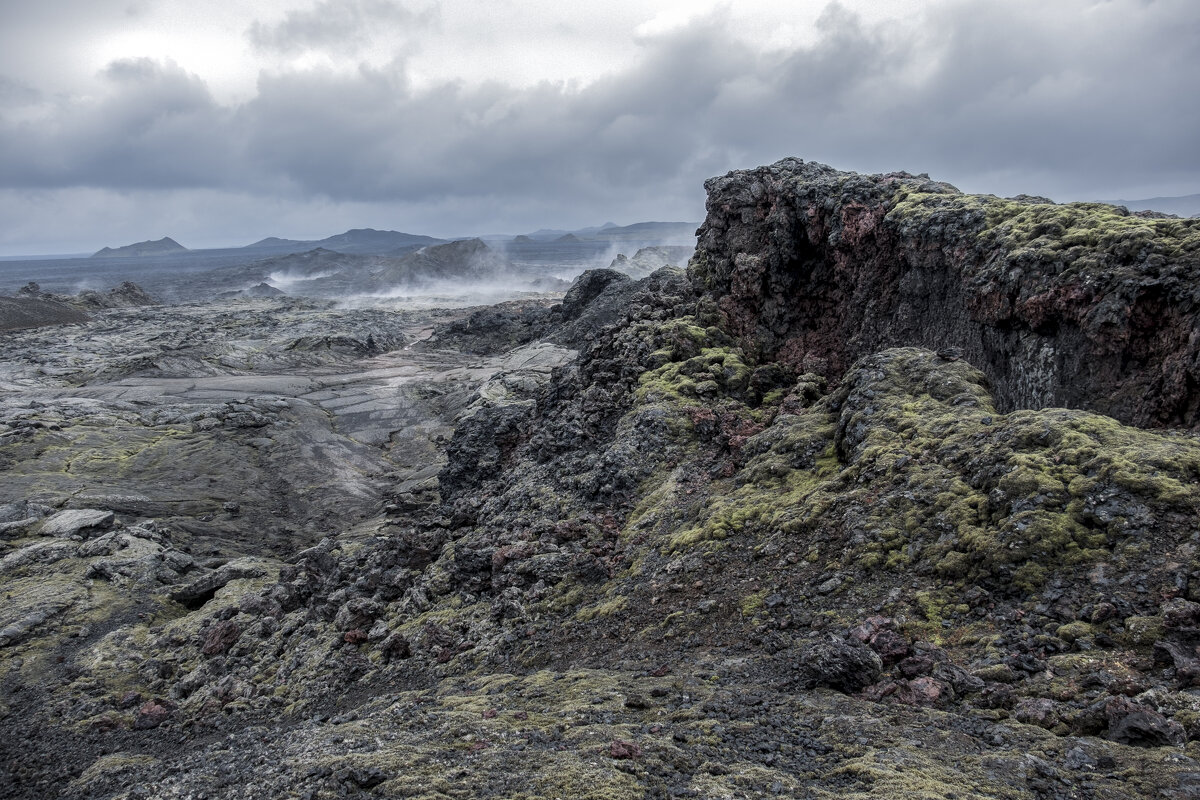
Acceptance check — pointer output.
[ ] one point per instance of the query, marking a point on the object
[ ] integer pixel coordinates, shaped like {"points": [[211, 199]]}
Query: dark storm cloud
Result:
{"points": [[155, 126], [1004, 96]]}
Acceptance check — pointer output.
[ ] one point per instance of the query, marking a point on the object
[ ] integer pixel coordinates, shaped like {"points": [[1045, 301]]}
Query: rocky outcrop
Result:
{"points": [[1080, 305], [127, 295], [17, 313], [648, 259]]}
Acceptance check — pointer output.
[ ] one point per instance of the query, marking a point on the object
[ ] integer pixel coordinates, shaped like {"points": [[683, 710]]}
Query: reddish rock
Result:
{"points": [[221, 637], [152, 714], [619, 749], [355, 636], [880, 634], [923, 692], [890, 645], [916, 666]]}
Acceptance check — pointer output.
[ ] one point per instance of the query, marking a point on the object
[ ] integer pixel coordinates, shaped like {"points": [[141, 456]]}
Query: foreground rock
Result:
{"points": [[1080, 305]]}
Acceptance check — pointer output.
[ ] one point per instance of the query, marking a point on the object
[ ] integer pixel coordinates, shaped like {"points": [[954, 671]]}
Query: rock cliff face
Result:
{"points": [[1080, 305]]}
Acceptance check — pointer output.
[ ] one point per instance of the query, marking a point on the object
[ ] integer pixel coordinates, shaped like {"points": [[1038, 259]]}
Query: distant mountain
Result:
{"points": [[637, 232], [275, 241], [327, 273], [468, 259], [162, 247], [365, 241], [369, 240], [649, 231], [1185, 206]]}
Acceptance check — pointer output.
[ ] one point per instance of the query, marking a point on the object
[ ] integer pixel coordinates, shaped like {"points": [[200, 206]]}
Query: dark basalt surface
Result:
{"points": [[1080, 305], [17, 313], [634, 544]]}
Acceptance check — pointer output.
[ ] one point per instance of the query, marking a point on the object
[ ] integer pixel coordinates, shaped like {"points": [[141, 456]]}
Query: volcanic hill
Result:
{"points": [[161, 247]]}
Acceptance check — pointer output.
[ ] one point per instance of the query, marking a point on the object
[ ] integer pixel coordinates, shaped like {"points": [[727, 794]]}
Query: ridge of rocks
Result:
{"points": [[1080, 305]]}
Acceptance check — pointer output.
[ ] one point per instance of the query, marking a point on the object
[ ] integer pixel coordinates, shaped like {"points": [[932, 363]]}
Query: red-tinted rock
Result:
{"points": [[890, 645], [151, 715], [923, 692], [221, 637], [619, 749]]}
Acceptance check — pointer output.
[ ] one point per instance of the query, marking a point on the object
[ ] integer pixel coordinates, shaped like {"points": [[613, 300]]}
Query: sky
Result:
{"points": [[219, 123]]}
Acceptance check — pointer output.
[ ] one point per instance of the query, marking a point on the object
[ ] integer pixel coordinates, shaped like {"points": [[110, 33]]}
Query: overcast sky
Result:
{"points": [[219, 122]]}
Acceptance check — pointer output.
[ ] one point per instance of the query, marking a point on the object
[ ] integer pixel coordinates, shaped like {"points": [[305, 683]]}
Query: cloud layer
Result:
{"points": [[1075, 100]]}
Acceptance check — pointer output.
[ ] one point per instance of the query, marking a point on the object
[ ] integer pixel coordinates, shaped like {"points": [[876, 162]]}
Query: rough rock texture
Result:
{"points": [[1079, 305], [595, 299], [126, 295], [17, 313], [662, 563]]}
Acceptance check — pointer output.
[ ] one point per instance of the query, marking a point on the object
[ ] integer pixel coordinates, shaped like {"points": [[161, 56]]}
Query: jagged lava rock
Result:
{"points": [[1079, 305]]}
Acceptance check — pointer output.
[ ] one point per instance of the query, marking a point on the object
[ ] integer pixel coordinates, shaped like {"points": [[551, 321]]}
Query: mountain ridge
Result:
{"points": [[158, 247]]}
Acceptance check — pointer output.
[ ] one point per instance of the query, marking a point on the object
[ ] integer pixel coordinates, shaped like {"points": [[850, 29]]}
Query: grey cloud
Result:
{"points": [[16, 93], [338, 25], [156, 127], [983, 92], [997, 96]]}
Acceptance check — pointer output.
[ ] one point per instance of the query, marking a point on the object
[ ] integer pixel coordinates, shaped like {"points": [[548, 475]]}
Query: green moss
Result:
{"points": [[110, 766], [680, 383], [601, 610], [1074, 236], [1143, 631], [1074, 631], [570, 598], [753, 603]]}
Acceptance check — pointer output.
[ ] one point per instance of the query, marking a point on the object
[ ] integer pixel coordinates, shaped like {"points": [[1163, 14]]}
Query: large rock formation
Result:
{"points": [[1080, 305]]}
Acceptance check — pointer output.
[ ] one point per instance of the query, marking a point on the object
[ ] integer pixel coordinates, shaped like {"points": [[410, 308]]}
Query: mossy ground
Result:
{"points": [[1051, 244]]}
